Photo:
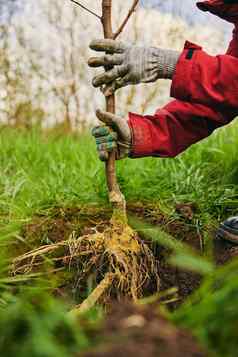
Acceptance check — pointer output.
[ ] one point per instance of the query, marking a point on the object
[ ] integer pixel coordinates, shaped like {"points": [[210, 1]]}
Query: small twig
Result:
{"points": [[124, 23], [86, 9]]}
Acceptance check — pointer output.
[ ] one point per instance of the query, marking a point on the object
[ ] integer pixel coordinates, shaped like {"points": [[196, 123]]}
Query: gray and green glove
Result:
{"points": [[115, 135], [131, 64]]}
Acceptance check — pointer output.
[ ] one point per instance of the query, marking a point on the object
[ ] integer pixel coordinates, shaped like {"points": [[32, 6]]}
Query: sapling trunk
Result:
{"points": [[115, 195]]}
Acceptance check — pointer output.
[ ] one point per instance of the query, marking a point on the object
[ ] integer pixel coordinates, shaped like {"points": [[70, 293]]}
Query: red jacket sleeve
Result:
{"points": [[180, 123], [174, 128], [204, 79]]}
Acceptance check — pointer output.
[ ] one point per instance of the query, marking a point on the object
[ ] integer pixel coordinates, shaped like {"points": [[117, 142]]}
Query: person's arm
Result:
{"points": [[166, 134], [180, 124], [174, 128], [204, 79]]}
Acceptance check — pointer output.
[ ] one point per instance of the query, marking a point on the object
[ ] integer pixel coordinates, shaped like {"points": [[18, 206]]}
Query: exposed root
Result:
{"points": [[94, 297], [117, 252]]}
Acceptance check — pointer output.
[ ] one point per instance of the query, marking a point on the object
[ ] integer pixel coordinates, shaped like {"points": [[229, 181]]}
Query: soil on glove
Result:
{"points": [[142, 331]]}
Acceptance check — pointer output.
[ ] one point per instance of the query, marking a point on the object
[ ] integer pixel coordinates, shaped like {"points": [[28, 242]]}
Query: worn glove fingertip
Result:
{"points": [[95, 82], [100, 114], [101, 131], [108, 146], [105, 117], [91, 61], [94, 44], [94, 131], [103, 155]]}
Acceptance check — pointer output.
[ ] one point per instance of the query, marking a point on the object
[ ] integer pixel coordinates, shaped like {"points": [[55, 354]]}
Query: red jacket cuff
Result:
{"points": [[141, 136], [155, 135]]}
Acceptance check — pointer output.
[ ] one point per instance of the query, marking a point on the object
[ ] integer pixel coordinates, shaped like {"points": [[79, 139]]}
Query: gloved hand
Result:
{"points": [[131, 64], [115, 135]]}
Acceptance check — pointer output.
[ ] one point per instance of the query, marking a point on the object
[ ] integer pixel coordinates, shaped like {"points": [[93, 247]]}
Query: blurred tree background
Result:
{"points": [[44, 78]]}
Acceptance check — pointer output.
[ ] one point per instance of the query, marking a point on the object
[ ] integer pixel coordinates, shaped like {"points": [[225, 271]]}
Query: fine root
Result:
{"points": [[118, 252]]}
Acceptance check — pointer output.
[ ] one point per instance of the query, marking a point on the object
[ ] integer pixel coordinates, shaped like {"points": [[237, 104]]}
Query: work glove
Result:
{"points": [[130, 64], [116, 135]]}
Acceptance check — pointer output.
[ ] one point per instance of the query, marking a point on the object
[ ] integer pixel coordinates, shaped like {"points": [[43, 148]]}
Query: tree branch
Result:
{"points": [[86, 9], [124, 23]]}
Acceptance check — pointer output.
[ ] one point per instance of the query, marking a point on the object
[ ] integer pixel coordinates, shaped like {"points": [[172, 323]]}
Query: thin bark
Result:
{"points": [[124, 23], [115, 195]]}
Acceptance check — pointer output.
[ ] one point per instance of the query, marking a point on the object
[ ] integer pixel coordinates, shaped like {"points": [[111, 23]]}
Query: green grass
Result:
{"points": [[212, 312], [40, 171], [34, 324]]}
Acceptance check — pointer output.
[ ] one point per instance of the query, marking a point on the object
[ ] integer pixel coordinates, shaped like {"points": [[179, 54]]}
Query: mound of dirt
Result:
{"points": [[62, 223], [142, 331]]}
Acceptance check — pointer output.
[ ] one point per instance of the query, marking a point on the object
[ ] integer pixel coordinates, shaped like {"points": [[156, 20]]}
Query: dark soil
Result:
{"points": [[58, 225], [180, 228], [139, 330], [61, 223], [183, 229], [142, 331]]}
